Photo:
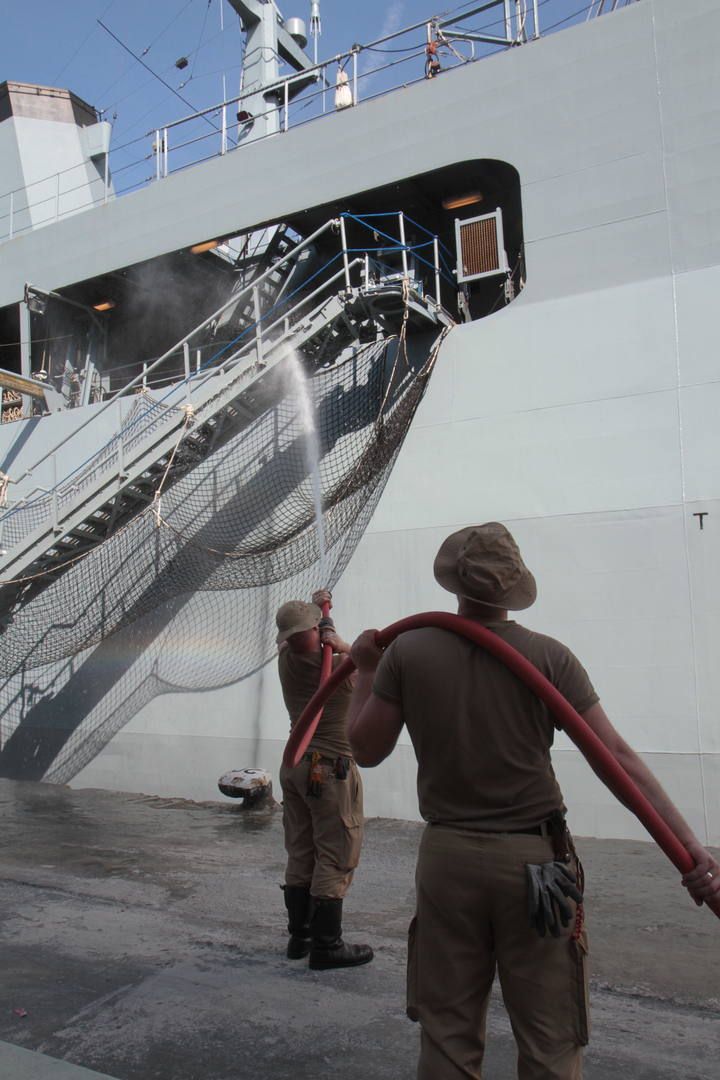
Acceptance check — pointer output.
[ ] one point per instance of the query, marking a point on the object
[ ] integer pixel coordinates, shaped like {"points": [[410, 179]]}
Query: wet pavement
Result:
{"points": [[143, 939]]}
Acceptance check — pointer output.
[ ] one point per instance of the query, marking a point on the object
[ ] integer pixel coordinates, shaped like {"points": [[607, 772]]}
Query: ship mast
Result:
{"points": [[269, 38]]}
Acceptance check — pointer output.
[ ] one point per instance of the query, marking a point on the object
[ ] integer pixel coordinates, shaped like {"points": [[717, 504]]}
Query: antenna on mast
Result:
{"points": [[315, 26], [269, 40]]}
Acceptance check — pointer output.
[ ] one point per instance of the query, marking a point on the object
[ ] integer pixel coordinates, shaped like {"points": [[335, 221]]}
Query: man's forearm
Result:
{"points": [[654, 792], [703, 881], [638, 771], [361, 692], [650, 787]]}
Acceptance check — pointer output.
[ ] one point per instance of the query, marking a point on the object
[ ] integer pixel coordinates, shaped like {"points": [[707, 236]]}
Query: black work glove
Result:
{"points": [[548, 886]]}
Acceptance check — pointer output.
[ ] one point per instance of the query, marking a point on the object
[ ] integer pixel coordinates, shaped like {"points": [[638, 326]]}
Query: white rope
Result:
{"points": [[157, 501]]}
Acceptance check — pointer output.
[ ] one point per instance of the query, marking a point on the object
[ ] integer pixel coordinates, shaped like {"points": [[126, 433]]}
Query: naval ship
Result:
{"points": [[342, 318]]}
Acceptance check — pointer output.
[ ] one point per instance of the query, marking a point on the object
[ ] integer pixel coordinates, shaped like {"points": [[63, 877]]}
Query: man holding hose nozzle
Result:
{"points": [[499, 885], [322, 795]]}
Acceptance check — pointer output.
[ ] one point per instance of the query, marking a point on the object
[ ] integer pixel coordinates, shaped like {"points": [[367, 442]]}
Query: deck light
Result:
{"points": [[454, 202], [104, 305], [197, 249]]}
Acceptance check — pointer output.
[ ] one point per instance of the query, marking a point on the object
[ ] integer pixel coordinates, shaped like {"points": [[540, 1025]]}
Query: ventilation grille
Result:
{"points": [[480, 249]]}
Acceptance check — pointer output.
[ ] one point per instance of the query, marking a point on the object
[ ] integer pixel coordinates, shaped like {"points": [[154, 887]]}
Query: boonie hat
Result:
{"points": [[295, 616], [483, 563]]}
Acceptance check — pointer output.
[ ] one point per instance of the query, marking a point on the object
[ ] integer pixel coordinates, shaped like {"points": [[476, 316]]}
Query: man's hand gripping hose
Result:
{"points": [[594, 750]]}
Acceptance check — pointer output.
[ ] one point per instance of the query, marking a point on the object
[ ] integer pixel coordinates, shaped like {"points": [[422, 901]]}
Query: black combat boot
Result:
{"points": [[328, 950], [297, 902]]}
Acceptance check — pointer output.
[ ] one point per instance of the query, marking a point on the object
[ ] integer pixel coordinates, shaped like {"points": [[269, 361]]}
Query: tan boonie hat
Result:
{"points": [[295, 616], [484, 563]]}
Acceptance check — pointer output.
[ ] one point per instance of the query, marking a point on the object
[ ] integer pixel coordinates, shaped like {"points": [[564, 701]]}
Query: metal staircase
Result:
{"points": [[265, 263], [160, 438]]}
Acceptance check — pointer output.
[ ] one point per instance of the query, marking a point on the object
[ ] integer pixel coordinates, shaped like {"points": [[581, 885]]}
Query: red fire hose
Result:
{"points": [[325, 670], [597, 754]]}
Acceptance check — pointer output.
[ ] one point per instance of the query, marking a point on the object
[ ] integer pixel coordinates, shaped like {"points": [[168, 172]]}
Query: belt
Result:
{"points": [[543, 829], [328, 760], [339, 765], [531, 830]]}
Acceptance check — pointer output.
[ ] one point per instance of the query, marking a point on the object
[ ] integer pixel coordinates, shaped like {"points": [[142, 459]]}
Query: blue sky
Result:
{"points": [[60, 43]]}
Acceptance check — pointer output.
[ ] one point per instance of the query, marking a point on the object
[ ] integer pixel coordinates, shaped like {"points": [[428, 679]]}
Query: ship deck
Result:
{"points": [[144, 938]]}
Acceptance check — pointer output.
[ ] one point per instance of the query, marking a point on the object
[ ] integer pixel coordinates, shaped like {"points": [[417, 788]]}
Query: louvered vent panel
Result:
{"points": [[480, 247]]}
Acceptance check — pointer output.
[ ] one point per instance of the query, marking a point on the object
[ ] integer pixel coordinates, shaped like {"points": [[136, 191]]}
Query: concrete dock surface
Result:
{"points": [[143, 939]]}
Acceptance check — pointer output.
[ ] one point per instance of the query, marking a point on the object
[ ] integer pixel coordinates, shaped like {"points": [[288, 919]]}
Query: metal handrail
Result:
{"points": [[159, 135], [62, 504], [113, 450], [162, 150], [143, 375]]}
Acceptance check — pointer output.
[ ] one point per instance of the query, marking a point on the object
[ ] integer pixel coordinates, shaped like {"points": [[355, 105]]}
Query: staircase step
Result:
{"points": [[84, 531]]}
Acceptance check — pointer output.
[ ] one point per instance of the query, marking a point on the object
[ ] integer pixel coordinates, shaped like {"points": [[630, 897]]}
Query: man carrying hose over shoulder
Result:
{"points": [[498, 881], [322, 795]]}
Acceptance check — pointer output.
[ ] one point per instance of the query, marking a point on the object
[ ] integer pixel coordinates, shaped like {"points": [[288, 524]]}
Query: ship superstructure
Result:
{"points": [[527, 241]]}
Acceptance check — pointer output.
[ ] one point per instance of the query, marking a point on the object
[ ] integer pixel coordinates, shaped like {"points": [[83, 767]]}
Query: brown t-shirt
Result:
{"points": [[481, 737], [299, 679]]}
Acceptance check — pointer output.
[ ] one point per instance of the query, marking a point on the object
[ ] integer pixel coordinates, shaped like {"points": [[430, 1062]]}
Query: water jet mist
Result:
{"points": [[311, 446]]}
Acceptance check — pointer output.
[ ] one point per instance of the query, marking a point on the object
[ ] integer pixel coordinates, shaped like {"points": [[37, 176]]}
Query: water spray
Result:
{"points": [[311, 449], [312, 460]]}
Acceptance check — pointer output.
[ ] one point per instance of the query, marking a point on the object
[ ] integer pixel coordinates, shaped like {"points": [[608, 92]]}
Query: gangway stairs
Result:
{"points": [[157, 440], [266, 263]]}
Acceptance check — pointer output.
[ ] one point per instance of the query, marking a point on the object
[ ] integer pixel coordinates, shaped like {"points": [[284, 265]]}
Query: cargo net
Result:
{"points": [[183, 598]]}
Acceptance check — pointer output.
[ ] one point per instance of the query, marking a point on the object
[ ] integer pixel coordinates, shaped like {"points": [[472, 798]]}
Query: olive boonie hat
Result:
{"points": [[484, 563], [295, 616]]}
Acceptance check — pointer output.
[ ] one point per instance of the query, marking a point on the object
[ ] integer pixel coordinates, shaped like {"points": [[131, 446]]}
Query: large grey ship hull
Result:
{"points": [[582, 415]]}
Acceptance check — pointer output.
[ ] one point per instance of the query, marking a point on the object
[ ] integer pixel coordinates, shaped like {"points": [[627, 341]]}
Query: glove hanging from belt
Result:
{"points": [[549, 886]]}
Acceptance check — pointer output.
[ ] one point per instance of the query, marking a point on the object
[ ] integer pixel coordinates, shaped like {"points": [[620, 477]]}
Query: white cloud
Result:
{"points": [[394, 20]]}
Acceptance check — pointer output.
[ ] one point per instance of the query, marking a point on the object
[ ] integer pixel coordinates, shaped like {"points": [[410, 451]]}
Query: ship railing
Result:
{"points": [[430, 254], [268, 337], [209, 133], [436, 256], [518, 24], [604, 7], [53, 197], [256, 348], [116, 378], [140, 381]]}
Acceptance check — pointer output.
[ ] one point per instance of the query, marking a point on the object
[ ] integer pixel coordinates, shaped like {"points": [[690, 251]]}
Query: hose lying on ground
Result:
{"points": [[601, 759]]}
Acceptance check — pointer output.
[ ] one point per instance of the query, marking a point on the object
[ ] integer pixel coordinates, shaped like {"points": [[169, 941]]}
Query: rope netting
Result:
{"points": [[183, 597]]}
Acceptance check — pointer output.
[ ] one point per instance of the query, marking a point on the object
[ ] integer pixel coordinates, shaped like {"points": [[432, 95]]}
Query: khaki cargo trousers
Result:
{"points": [[472, 920], [323, 834]]}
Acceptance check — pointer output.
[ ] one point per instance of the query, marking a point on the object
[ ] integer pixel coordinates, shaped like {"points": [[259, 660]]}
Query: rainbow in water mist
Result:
{"points": [[299, 386]]}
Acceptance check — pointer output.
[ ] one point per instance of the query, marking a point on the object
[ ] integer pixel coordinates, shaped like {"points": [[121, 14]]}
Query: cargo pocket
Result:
{"points": [[579, 947], [411, 992], [349, 793], [353, 838]]}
